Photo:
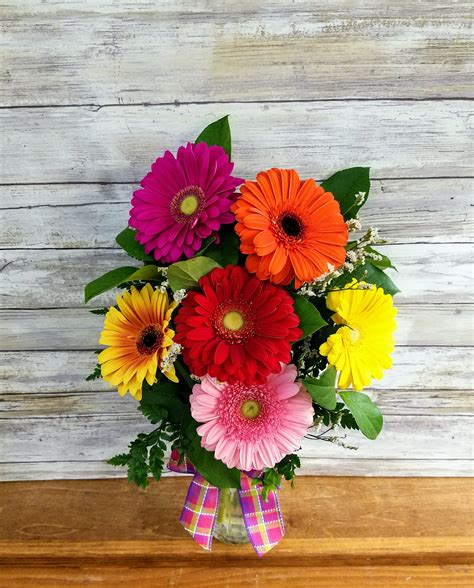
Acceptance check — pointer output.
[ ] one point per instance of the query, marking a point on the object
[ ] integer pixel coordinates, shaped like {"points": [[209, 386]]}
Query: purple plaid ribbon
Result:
{"points": [[263, 519]]}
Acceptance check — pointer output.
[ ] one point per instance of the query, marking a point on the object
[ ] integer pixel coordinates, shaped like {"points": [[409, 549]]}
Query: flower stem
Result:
{"points": [[182, 371]]}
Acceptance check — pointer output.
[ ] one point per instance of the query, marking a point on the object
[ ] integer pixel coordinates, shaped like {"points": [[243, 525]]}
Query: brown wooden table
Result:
{"points": [[340, 532]]}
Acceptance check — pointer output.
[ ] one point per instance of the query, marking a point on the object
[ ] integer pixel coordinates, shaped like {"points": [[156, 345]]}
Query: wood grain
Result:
{"points": [[91, 215], [428, 368], [108, 52], [29, 403], [56, 278], [317, 466], [77, 328], [108, 533], [118, 143], [235, 577], [99, 437]]}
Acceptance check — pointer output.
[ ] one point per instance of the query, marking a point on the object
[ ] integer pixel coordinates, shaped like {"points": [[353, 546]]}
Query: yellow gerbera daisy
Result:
{"points": [[361, 348], [138, 339]]}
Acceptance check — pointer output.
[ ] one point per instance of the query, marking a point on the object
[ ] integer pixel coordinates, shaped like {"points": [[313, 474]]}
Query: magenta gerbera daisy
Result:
{"points": [[183, 200], [252, 427], [239, 329]]}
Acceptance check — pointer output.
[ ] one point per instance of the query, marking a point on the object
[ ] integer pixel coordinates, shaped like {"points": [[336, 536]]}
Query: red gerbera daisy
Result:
{"points": [[238, 329]]}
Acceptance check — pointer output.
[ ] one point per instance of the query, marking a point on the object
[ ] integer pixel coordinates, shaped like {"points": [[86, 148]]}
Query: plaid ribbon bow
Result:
{"points": [[263, 519]]}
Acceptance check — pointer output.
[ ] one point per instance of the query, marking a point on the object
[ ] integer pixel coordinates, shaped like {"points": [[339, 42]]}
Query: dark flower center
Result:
{"points": [[149, 341], [291, 225]]}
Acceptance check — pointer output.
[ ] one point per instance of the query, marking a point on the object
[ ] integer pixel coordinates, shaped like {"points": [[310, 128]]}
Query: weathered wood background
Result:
{"points": [[92, 91]]}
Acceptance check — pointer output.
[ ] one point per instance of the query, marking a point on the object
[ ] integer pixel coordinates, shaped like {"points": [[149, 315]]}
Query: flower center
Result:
{"points": [[187, 204], [233, 320], [250, 413], [149, 341], [250, 409], [289, 229], [291, 225], [354, 335]]}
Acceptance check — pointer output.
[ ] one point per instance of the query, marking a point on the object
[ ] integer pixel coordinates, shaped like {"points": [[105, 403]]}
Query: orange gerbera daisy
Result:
{"points": [[289, 228], [139, 339]]}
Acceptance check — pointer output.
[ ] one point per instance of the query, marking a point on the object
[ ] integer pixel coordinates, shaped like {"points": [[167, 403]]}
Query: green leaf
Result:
{"points": [[366, 414], [186, 274], [310, 318], [119, 460], [322, 389], [108, 281], [384, 263], [370, 274], [162, 398], [218, 133], [345, 185], [127, 241], [214, 470], [145, 273], [95, 375], [156, 460], [227, 251]]}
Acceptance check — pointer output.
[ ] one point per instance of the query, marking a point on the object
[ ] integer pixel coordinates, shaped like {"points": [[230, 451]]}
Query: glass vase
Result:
{"points": [[230, 526]]}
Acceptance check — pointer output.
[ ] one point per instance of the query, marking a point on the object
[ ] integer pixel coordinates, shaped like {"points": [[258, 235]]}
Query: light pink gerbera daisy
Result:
{"points": [[183, 200], [252, 427]]}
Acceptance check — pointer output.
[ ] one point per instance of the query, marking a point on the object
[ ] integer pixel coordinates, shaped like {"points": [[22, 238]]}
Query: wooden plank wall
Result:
{"points": [[92, 91]]}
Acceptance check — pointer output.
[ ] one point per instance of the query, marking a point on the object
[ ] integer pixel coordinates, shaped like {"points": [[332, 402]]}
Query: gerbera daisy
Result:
{"points": [[252, 427], [290, 229], [238, 329], [183, 200], [139, 339], [360, 348]]}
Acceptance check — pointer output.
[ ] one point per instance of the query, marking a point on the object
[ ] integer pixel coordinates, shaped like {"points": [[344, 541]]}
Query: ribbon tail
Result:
{"points": [[199, 513], [263, 519]]}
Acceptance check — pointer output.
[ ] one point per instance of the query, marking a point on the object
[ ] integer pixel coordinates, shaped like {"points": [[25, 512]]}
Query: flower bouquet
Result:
{"points": [[253, 323]]}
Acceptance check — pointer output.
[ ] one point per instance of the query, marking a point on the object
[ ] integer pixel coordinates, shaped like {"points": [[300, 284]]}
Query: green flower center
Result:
{"points": [[250, 409], [233, 320], [189, 204]]}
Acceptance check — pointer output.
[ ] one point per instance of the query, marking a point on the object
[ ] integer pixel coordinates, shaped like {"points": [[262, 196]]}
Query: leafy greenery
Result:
{"points": [[227, 250], [186, 274], [214, 470], [383, 263], [121, 276], [163, 404], [310, 317], [100, 311], [340, 416], [286, 468], [218, 133], [371, 274], [108, 281], [366, 414], [166, 404], [322, 389], [146, 455], [127, 241], [346, 185], [95, 375]]}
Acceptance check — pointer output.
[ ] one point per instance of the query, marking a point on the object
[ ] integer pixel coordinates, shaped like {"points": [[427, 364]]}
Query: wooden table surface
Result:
{"points": [[340, 532]]}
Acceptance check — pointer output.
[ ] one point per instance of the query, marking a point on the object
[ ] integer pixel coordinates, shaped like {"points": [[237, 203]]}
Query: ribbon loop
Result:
{"points": [[262, 518]]}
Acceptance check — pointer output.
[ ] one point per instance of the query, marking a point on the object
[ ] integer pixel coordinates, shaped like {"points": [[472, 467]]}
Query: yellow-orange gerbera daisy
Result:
{"points": [[139, 339], [360, 349], [289, 228]]}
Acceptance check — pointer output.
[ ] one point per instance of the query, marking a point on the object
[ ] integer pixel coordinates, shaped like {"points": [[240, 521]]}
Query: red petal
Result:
{"points": [[200, 334], [222, 352]]}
